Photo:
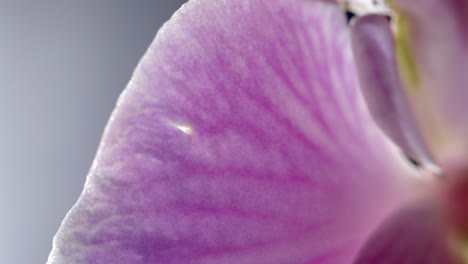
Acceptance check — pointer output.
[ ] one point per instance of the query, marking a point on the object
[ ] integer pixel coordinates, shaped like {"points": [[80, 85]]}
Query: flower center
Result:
{"points": [[453, 198]]}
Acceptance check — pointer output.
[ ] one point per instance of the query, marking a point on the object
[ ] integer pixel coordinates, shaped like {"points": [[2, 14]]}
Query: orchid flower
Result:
{"points": [[277, 131]]}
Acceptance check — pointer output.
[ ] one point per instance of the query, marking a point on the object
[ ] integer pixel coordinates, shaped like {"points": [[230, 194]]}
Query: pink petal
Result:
{"points": [[374, 53], [242, 138], [415, 234], [436, 34]]}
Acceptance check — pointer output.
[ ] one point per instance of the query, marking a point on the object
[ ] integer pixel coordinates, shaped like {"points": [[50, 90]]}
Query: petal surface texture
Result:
{"points": [[433, 39], [241, 138], [375, 56]]}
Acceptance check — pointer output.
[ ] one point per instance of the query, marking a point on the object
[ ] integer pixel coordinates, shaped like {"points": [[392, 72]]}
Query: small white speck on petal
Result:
{"points": [[184, 129]]}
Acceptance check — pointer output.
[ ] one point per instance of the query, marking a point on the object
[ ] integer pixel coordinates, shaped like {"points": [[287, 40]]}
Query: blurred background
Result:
{"points": [[62, 66]]}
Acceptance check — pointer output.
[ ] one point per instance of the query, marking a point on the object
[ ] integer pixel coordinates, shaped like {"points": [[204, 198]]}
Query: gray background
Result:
{"points": [[62, 66]]}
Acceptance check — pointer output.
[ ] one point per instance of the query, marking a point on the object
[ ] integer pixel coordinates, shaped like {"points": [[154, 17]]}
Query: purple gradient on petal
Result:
{"points": [[375, 57], [241, 138]]}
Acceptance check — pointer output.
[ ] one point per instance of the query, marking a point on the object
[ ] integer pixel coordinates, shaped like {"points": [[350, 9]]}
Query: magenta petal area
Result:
{"points": [[415, 234], [241, 138], [375, 57]]}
